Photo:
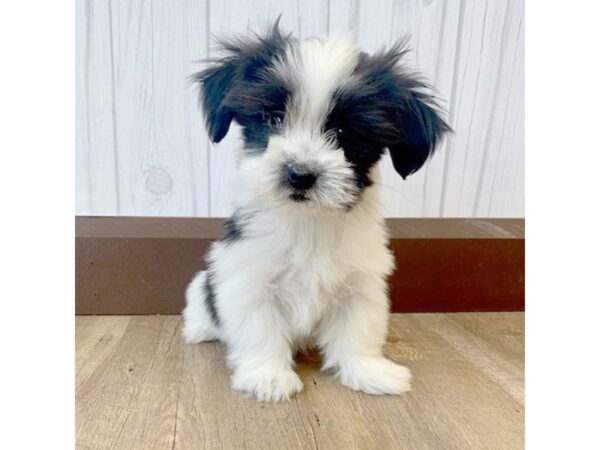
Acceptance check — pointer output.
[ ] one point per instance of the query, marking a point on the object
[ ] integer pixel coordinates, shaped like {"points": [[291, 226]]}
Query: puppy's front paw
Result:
{"points": [[375, 376], [267, 384]]}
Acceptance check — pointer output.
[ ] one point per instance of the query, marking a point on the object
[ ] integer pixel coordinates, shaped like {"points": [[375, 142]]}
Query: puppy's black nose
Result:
{"points": [[299, 177]]}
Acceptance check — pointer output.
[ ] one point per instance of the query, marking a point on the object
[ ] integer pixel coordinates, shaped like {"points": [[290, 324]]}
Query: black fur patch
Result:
{"points": [[353, 115], [209, 298], [395, 108], [385, 107], [240, 87], [231, 230]]}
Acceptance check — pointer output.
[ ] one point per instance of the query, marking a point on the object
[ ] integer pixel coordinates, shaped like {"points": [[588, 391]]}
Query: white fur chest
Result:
{"points": [[311, 262], [311, 279], [307, 273]]}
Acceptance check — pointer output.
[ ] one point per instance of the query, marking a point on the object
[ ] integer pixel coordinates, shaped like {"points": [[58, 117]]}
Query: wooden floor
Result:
{"points": [[138, 386]]}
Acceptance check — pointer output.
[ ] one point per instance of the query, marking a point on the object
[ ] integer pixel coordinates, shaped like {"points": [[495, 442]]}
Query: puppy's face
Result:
{"points": [[317, 116]]}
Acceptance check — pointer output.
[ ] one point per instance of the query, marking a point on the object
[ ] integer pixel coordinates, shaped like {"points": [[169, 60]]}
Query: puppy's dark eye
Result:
{"points": [[274, 119], [338, 132]]}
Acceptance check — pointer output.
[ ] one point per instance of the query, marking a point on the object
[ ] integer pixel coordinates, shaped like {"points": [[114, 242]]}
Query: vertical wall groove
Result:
{"points": [[452, 109], [328, 17], [425, 190], [208, 141], [494, 113], [114, 110], [87, 99]]}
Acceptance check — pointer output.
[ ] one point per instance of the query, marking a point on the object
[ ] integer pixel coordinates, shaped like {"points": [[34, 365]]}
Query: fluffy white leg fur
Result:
{"points": [[197, 324], [257, 338], [352, 335]]}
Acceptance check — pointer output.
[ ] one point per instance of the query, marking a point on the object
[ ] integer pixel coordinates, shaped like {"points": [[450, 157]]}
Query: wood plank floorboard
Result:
{"points": [[138, 386]]}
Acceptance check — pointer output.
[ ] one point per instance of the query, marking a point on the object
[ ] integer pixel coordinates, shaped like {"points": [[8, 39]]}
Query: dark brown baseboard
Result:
{"points": [[141, 265]]}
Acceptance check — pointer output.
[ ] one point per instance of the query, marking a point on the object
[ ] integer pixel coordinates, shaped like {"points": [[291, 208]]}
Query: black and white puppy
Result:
{"points": [[304, 259]]}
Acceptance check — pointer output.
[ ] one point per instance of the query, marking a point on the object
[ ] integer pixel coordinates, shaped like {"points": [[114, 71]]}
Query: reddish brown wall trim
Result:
{"points": [[140, 265]]}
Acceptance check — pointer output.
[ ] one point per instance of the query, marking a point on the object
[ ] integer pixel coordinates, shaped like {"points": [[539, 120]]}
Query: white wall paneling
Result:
{"points": [[485, 155], [142, 149]]}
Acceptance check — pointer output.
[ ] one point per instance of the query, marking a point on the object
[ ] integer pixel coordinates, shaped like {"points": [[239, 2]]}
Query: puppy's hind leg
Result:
{"points": [[199, 316]]}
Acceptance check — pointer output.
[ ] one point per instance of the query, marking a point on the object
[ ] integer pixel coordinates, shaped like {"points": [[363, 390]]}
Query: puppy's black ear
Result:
{"points": [[415, 125], [226, 85], [420, 129], [215, 83]]}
